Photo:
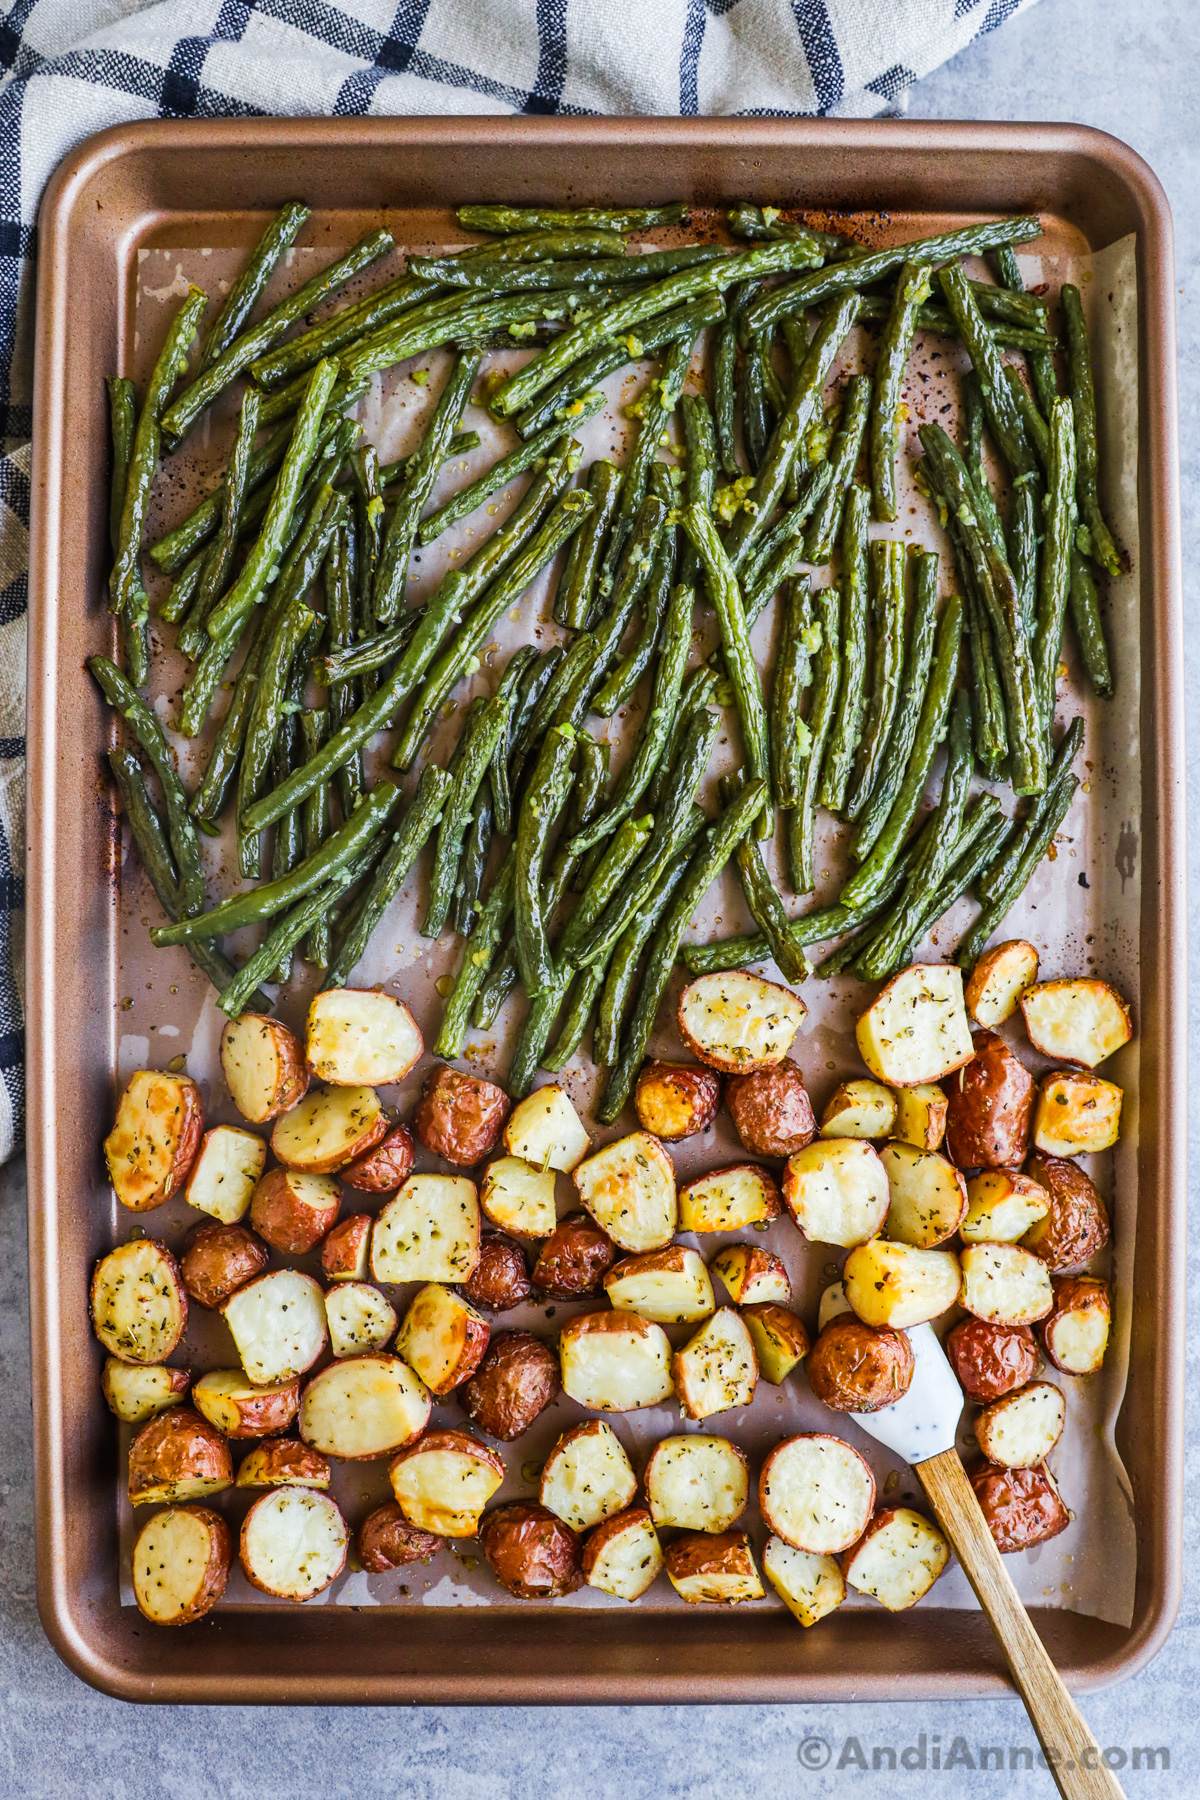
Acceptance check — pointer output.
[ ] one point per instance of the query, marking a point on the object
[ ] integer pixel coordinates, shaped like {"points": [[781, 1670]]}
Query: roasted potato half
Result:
{"points": [[629, 1189], [346, 1250], [780, 1339], [500, 1279], [716, 1370], [293, 1543], [729, 1199], [810, 1586], [1020, 1430], [517, 1379], [460, 1117], [227, 1166], [574, 1259], [283, 1462], [1081, 1022], [896, 1285], [1074, 1224], [615, 1361], [1022, 1507], [154, 1139], [991, 1107], [898, 1558], [443, 1338], [517, 1197], [989, 1359], [178, 1456], [139, 1303], [360, 1318], [363, 1407], [719, 1568], [916, 1030], [544, 1129], [921, 1116], [623, 1556], [384, 1168], [278, 1325], [386, 1541], [241, 1410], [858, 1368], [1075, 1333], [357, 1037], [292, 1211], [427, 1231], [180, 1564], [998, 980], [837, 1191], [751, 1274], [587, 1477], [1002, 1206], [263, 1065], [218, 1260], [443, 1482], [1077, 1114], [859, 1109], [737, 1022], [1005, 1284], [771, 1110], [928, 1196], [816, 1493], [697, 1483], [136, 1392], [531, 1552], [676, 1100], [328, 1129], [670, 1286]]}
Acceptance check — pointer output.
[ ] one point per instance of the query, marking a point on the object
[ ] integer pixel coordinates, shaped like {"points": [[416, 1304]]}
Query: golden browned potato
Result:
{"points": [[363, 1407], [386, 1541], [771, 1110], [222, 1178], [178, 1456], [697, 1483], [991, 1359], [518, 1197], [574, 1259], [780, 1339], [629, 1189], [675, 1100], [1076, 1224], [544, 1129], [990, 1108], [916, 1031], [154, 1140], [717, 1568], [897, 1559], [263, 1065], [729, 1199], [443, 1482], [998, 980], [346, 1249], [1082, 1022], [180, 1564], [139, 1303], [428, 1231], [1020, 1430], [386, 1167], [277, 1321], [897, 1285], [1076, 1332], [816, 1492], [517, 1379], [500, 1279], [283, 1462], [240, 1409], [1001, 1207], [737, 1022], [623, 1556], [530, 1552], [460, 1117], [670, 1286], [328, 1129], [1077, 1113], [615, 1361], [358, 1037], [443, 1338], [809, 1586], [587, 1476], [860, 1109], [928, 1196], [1004, 1283], [751, 1274], [1022, 1507], [218, 1260], [921, 1116], [136, 1391], [292, 1211], [293, 1543], [716, 1370], [854, 1367], [837, 1191]]}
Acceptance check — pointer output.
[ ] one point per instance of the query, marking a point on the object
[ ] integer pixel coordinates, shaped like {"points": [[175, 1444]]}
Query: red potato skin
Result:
{"points": [[1076, 1225], [387, 1541], [341, 1247], [602, 1535], [386, 1167], [293, 1076], [285, 1223], [174, 1444], [218, 1260], [220, 1558], [460, 1441], [285, 1457], [854, 1367], [709, 1553], [1022, 1506], [460, 1117], [190, 1129], [676, 1100], [771, 1110], [574, 1259], [990, 1108], [264, 1414], [500, 1279], [1072, 1293], [875, 1523], [991, 1360], [517, 1379], [531, 1552], [247, 1569]]}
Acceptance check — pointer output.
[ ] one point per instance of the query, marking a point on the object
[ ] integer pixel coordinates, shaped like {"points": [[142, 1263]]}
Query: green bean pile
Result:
{"points": [[289, 589]]}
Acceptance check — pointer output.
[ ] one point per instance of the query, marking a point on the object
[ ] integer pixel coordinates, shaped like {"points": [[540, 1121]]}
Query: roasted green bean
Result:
{"points": [[478, 954], [1054, 588], [726, 597], [1097, 540], [1089, 627], [826, 526], [918, 660], [792, 675], [852, 689], [912, 290], [476, 748], [542, 804], [801, 818], [1007, 427]]}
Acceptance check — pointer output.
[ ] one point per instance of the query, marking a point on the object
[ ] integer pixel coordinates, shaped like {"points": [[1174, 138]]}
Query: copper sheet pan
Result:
{"points": [[212, 183]]}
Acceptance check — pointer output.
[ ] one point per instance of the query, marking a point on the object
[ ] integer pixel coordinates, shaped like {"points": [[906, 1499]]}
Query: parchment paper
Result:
{"points": [[1081, 910]]}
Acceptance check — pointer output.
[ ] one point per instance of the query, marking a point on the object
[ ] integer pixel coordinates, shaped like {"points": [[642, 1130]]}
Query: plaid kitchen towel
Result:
{"points": [[72, 67]]}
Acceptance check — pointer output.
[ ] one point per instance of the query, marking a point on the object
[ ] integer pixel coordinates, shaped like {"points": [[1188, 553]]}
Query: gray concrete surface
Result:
{"points": [[1131, 67]]}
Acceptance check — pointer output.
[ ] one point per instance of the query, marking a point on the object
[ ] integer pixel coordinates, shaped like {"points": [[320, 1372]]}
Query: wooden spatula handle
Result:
{"points": [[1071, 1751]]}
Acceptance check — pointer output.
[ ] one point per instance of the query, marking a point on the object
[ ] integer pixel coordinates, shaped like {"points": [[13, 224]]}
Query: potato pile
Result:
{"points": [[949, 1138]]}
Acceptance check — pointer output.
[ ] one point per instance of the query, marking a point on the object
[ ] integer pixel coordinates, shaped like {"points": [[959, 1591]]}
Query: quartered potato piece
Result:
{"points": [[737, 1022], [719, 1568], [517, 1379], [136, 1393], [898, 1558], [428, 1231], [1076, 1114], [629, 1189], [809, 1585], [357, 1037], [623, 1556], [998, 980], [364, 1406], [1073, 1224], [500, 1279], [859, 1109], [1001, 1207], [859, 1368], [383, 1168], [771, 1110], [729, 1199], [263, 1065], [837, 1191], [921, 1116], [615, 1361], [675, 1100], [284, 1462], [292, 1211], [991, 1106], [328, 1129], [223, 1175], [897, 1285], [460, 1117], [139, 1305], [442, 1338], [530, 1552], [386, 1541], [346, 1250], [518, 1197], [1022, 1507], [990, 1360], [928, 1196], [293, 1543], [154, 1140], [574, 1259], [240, 1409], [1075, 1334], [545, 1130], [1021, 1429], [587, 1477], [697, 1483], [443, 1482], [180, 1564], [1081, 1021], [177, 1456], [816, 1493], [751, 1274], [359, 1317], [717, 1369], [1005, 1284], [218, 1260], [278, 1325], [780, 1339], [916, 1031], [670, 1286]]}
